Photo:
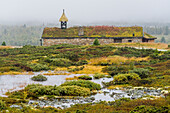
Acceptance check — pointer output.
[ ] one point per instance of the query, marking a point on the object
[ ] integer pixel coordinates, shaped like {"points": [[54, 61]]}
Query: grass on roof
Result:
{"points": [[146, 35], [94, 31]]}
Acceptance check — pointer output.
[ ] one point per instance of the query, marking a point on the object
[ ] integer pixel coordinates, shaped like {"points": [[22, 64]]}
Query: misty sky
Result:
{"points": [[84, 11]]}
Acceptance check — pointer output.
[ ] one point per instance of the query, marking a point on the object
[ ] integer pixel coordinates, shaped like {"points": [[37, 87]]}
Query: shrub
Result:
{"points": [[98, 76], [2, 105], [150, 109], [61, 62], [125, 78], [142, 82], [143, 73], [37, 90], [114, 70], [76, 69], [85, 77], [3, 44], [96, 42], [76, 91], [39, 78], [83, 83], [38, 67], [81, 62]]}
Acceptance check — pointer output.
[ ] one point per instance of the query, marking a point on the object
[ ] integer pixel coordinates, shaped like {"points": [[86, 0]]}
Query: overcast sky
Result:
{"points": [[84, 11]]}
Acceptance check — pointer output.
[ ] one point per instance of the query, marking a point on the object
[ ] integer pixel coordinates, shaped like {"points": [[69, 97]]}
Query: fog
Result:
{"points": [[84, 11]]}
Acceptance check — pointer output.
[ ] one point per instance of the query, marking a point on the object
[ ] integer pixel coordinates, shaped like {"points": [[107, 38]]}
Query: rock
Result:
{"points": [[94, 91], [129, 87], [106, 91], [133, 97], [165, 92], [117, 88], [16, 106], [100, 91], [92, 98], [167, 87], [138, 88]]}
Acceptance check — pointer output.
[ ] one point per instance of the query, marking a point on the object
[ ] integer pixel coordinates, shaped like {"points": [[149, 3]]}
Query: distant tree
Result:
{"points": [[166, 30], [163, 40], [3, 44], [5, 31], [96, 42], [24, 25]]}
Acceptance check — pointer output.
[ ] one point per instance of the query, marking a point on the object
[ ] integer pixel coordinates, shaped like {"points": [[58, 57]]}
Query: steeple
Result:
{"points": [[63, 21]]}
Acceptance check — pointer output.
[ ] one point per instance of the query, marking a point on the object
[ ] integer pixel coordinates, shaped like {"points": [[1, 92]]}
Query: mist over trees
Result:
{"points": [[30, 35], [20, 35], [156, 30]]}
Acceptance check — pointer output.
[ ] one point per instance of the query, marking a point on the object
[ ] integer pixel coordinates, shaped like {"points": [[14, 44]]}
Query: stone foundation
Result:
{"points": [[85, 41]]}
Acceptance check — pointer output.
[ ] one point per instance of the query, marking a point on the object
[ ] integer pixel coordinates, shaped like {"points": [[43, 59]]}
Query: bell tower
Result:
{"points": [[63, 21]]}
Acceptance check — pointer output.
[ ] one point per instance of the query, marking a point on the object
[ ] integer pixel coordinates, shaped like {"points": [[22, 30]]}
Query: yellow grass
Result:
{"points": [[88, 69], [114, 60], [5, 47], [50, 73], [16, 73], [72, 78], [145, 45], [61, 69]]}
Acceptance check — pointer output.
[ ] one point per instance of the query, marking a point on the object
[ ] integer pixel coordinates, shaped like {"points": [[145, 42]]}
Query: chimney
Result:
{"points": [[81, 31]]}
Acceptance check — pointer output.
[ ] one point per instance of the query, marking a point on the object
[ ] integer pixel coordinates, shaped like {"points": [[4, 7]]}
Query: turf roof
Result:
{"points": [[94, 31], [148, 36]]}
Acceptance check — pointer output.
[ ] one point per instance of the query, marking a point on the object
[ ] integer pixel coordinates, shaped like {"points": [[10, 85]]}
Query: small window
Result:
{"points": [[129, 40], [133, 34]]}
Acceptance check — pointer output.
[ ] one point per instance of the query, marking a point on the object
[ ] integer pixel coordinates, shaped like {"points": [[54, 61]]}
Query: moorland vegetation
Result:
{"points": [[127, 66]]}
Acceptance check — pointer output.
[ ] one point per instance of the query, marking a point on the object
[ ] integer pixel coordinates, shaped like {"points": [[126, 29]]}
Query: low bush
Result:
{"points": [[39, 78], [114, 70], [125, 78], [76, 69], [143, 73], [85, 77], [76, 91], [83, 83], [98, 76], [61, 62], [37, 90], [38, 67], [2, 105], [150, 109], [141, 82], [96, 42], [81, 62]]}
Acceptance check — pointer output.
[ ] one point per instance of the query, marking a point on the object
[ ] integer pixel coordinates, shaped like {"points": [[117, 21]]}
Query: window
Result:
{"points": [[133, 34], [129, 40]]}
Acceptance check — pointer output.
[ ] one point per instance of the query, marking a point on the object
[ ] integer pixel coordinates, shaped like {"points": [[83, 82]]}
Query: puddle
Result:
{"points": [[18, 82]]}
